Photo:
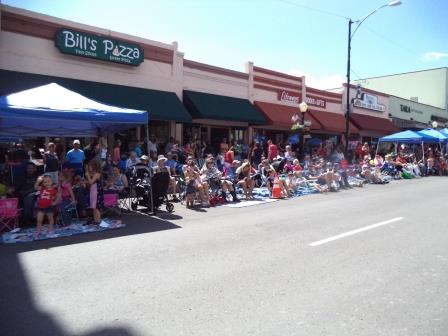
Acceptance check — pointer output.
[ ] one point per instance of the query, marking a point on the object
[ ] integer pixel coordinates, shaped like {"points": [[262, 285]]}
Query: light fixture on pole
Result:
{"points": [[350, 36], [303, 107]]}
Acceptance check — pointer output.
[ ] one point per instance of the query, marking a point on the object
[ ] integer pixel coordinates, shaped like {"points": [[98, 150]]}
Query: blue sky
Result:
{"points": [[301, 37]]}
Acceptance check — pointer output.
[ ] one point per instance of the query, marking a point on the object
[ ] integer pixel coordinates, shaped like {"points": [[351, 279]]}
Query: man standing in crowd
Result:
{"points": [[75, 157], [169, 145], [132, 161], [26, 191], [152, 147], [17, 159], [223, 147]]}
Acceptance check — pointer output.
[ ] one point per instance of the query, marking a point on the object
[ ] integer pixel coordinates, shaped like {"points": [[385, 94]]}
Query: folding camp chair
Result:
{"points": [[9, 213], [66, 213], [125, 199], [200, 163], [111, 203]]}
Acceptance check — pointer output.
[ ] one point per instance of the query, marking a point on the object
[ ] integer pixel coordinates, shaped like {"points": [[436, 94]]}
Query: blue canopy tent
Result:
{"points": [[409, 137], [437, 137], [434, 134], [444, 131], [52, 110]]}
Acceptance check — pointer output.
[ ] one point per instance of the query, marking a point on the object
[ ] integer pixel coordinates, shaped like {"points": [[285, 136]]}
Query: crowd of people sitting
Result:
{"points": [[80, 177]]}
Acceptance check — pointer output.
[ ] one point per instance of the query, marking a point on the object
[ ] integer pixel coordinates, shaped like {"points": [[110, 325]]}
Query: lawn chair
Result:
{"points": [[111, 203], [66, 213], [9, 213]]}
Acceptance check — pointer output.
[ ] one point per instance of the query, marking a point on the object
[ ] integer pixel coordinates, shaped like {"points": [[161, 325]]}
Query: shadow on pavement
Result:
{"points": [[21, 316], [136, 223]]}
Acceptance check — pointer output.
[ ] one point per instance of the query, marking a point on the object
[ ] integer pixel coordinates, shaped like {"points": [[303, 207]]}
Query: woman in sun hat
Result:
{"points": [[162, 168]]}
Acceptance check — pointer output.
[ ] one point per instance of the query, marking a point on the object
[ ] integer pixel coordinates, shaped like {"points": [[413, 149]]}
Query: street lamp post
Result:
{"points": [[350, 36], [303, 108]]}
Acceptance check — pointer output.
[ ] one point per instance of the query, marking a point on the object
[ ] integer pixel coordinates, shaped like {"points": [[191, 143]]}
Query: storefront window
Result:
{"points": [[191, 133], [160, 129], [237, 134]]}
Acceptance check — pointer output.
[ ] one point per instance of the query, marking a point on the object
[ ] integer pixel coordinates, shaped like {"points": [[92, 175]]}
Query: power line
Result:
{"points": [[347, 18], [314, 9], [391, 41], [358, 76]]}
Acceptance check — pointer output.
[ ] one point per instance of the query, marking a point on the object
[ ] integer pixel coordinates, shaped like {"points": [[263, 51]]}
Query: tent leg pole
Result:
{"points": [[423, 159], [147, 142], [377, 145], [150, 160]]}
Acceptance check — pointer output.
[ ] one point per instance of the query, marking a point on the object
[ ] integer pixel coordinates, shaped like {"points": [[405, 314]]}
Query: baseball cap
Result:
{"points": [[76, 142]]}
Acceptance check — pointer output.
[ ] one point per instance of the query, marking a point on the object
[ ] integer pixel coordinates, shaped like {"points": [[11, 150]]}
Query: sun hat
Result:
{"points": [[161, 158]]}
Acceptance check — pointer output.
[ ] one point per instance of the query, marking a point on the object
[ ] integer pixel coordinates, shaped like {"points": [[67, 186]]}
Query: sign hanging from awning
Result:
{"points": [[78, 43]]}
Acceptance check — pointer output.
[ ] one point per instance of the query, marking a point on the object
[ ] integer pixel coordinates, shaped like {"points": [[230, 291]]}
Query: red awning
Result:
{"points": [[333, 122], [373, 125], [279, 116]]}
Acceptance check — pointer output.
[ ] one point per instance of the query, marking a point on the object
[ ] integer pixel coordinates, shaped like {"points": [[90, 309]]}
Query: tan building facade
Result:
{"points": [[186, 100]]}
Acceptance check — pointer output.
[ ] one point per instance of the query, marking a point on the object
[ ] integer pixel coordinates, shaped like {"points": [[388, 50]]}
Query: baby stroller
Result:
{"points": [[160, 183], [151, 193]]}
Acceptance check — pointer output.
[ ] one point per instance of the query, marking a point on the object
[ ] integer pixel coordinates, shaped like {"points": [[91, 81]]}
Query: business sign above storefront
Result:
{"points": [[408, 109], [77, 43], [316, 102], [370, 102], [288, 97]]}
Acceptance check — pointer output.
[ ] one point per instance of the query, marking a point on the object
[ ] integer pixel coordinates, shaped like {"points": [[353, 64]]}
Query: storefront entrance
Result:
{"points": [[216, 136]]}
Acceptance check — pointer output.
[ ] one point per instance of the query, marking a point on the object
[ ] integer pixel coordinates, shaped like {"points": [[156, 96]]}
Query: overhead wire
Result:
{"points": [[391, 41], [314, 9], [294, 3]]}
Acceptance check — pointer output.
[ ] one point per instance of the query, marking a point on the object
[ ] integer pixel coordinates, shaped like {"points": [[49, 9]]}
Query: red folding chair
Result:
{"points": [[111, 203], [9, 213]]}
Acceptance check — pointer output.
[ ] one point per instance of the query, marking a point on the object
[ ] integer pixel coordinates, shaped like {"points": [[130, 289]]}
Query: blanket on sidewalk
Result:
{"points": [[28, 235]]}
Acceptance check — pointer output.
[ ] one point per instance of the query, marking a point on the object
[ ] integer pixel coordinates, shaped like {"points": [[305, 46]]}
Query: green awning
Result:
{"points": [[161, 105], [216, 107]]}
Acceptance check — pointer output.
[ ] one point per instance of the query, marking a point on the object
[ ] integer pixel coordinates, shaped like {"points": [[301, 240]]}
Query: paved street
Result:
{"points": [[247, 271]]}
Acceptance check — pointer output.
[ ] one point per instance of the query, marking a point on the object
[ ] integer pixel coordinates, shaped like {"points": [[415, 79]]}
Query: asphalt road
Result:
{"points": [[247, 271]]}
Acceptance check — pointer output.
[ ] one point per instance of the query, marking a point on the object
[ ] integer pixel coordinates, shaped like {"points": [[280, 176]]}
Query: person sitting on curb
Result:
{"points": [[194, 183], [210, 172], [244, 177]]}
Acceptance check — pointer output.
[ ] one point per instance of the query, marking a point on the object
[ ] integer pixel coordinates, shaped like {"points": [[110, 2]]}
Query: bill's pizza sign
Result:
{"points": [[77, 43]]}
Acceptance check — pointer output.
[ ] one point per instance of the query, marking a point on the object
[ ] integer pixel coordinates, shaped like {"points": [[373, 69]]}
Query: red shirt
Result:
{"points": [[297, 167], [321, 152], [229, 157], [401, 160], [273, 152], [47, 197]]}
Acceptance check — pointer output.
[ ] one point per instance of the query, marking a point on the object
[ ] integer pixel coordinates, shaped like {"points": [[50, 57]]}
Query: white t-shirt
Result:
{"points": [[152, 146], [103, 153]]}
